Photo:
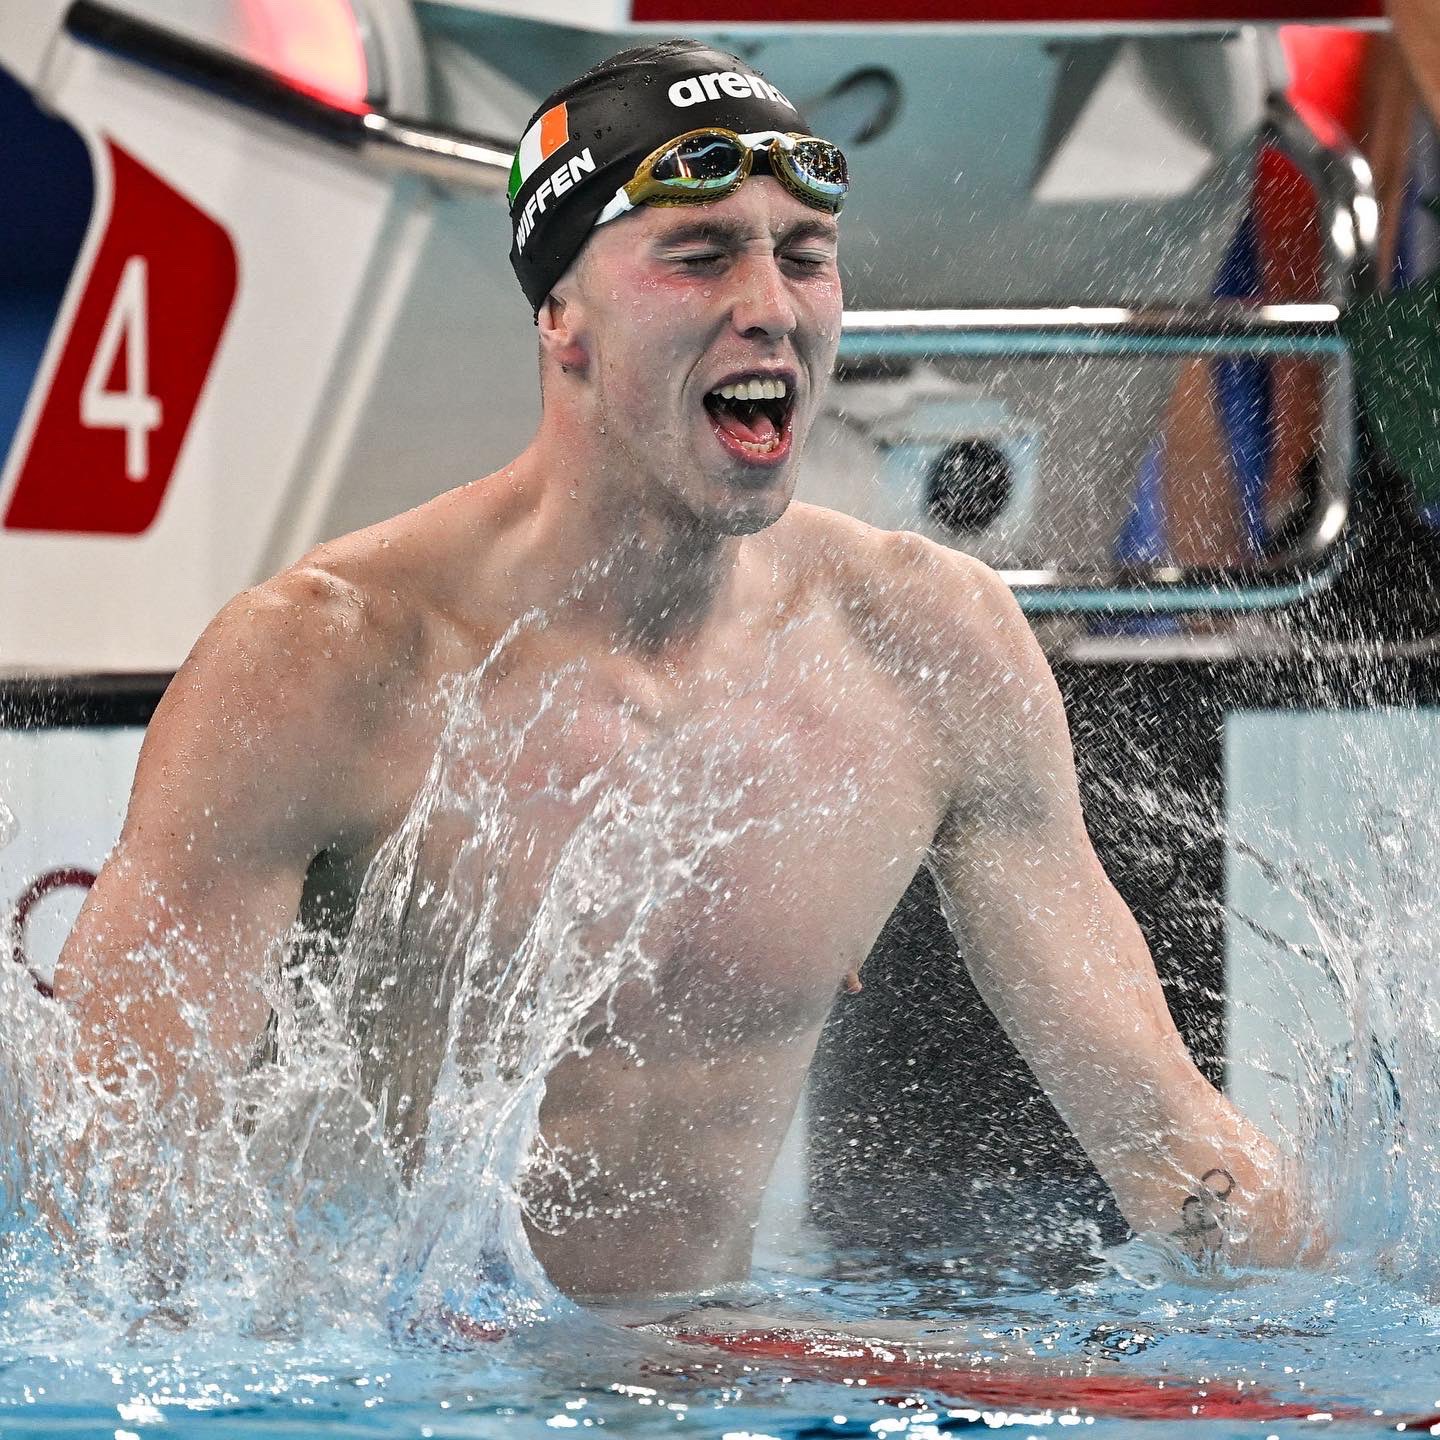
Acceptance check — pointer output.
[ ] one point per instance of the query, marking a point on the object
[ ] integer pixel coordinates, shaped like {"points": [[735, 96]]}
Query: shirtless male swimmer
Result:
{"points": [[885, 669]]}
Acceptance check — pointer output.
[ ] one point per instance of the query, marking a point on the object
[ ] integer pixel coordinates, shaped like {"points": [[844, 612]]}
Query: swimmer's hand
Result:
{"points": [[1226, 1230]]}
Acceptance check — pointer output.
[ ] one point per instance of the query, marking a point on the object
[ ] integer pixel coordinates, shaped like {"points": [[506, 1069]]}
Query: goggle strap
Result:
{"points": [[620, 204]]}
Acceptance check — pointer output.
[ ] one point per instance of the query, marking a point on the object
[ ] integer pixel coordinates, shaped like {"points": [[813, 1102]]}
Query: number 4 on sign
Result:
{"points": [[133, 409]]}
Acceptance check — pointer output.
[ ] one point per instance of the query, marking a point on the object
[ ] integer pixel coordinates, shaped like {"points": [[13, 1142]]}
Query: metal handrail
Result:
{"points": [[1210, 330], [1227, 328], [1220, 319], [1345, 187], [1349, 224]]}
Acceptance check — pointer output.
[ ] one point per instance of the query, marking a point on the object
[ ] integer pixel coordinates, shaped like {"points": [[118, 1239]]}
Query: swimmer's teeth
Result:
{"points": [[754, 390]]}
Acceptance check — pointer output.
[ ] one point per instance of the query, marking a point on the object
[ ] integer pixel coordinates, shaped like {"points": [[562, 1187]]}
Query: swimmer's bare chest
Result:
{"points": [[749, 832], [690, 864]]}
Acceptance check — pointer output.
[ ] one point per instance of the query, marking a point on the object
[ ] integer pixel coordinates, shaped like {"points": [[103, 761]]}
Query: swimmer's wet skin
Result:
{"points": [[723, 729]]}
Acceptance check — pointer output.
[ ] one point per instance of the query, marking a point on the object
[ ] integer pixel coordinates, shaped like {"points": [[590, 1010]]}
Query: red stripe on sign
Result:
{"points": [[890, 12], [102, 454]]}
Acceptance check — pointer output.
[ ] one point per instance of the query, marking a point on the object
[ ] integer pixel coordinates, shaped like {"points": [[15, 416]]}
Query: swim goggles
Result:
{"points": [[706, 165]]}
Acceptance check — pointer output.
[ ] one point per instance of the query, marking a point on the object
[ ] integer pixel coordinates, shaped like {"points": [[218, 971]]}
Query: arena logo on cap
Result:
{"points": [[697, 89], [565, 175]]}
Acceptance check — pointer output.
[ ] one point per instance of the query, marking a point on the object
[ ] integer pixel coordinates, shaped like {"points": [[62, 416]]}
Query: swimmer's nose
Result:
{"points": [[763, 306]]}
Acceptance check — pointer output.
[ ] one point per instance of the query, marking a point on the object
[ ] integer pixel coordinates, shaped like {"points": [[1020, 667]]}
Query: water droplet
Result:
{"points": [[9, 825]]}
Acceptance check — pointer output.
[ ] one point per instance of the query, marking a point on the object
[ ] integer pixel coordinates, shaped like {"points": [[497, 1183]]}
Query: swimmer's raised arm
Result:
{"points": [[235, 793], [1054, 950]]}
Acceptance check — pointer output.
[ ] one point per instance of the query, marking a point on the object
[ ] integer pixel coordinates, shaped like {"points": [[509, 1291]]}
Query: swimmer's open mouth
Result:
{"points": [[752, 414]]}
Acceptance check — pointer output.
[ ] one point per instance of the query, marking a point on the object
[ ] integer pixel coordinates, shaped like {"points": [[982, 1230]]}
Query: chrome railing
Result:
{"points": [[1348, 220], [479, 162]]}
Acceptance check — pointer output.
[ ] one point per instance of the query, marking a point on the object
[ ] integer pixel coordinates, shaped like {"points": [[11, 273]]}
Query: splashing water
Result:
{"points": [[380, 1160], [1362, 990], [376, 1171], [1335, 985]]}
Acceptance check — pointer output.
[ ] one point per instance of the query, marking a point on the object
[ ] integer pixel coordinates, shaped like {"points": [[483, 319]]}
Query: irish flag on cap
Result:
{"points": [[541, 141]]}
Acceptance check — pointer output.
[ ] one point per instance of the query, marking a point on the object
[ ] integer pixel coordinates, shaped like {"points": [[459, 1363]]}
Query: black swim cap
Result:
{"points": [[586, 140]]}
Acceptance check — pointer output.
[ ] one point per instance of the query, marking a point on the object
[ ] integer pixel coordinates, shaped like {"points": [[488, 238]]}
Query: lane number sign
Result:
{"points": [[130, 369]]}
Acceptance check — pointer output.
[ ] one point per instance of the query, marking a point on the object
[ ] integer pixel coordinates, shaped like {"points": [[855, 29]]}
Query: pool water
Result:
{"points": [[275, 1274], [832, 1345]]}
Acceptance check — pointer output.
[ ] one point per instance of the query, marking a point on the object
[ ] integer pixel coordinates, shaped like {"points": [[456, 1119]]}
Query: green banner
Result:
{"points": [[1395, 341]]}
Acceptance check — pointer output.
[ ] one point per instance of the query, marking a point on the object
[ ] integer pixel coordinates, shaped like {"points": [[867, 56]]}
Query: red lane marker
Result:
{"points": [[838, 1358], [30, 897]]}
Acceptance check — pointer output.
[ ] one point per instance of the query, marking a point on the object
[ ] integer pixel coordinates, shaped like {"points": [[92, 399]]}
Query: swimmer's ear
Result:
{"points": [[562, 335]]}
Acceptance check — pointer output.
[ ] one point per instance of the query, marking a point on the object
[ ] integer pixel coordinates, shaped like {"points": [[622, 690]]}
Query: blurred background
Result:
{"points": [[1140, 310]]}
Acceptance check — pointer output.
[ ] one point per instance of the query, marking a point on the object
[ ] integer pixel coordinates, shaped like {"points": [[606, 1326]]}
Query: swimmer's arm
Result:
{"points": [[162, 971], [1056, 953]]}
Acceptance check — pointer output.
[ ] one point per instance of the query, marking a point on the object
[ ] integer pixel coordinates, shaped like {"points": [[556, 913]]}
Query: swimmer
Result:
{"points": [[675, 230]]}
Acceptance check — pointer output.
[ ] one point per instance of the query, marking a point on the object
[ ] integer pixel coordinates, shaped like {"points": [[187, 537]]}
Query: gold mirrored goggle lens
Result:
{"points": [[700, 165], [817, 166]]}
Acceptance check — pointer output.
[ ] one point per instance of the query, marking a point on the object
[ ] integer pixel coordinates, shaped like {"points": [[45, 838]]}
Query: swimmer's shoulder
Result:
{"points": [[947, 630], [913, 597], [422, 574], [377, 616], [275, 713], [399, 603], [317, 643]]}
